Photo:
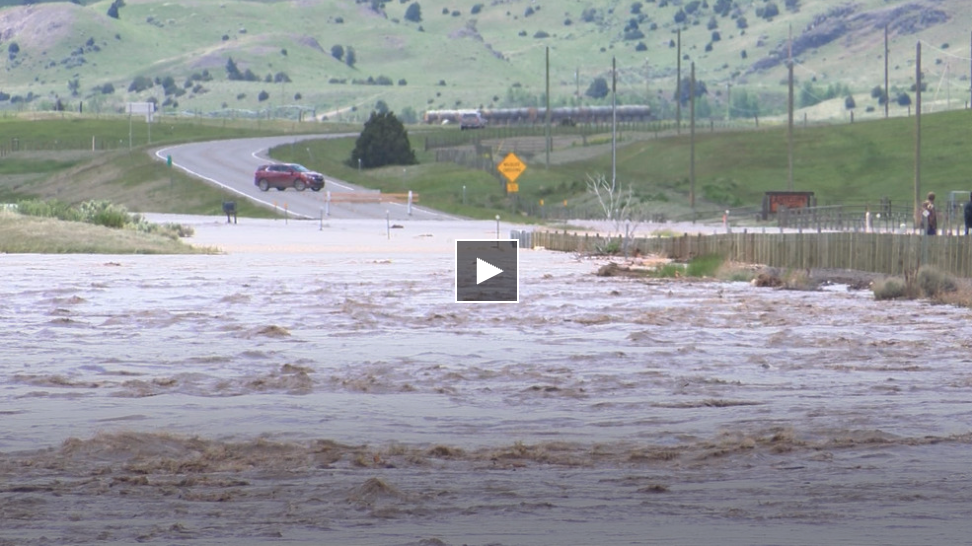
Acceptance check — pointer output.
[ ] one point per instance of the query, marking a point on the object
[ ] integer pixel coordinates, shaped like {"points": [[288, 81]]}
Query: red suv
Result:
{"points": [[287, 175]]}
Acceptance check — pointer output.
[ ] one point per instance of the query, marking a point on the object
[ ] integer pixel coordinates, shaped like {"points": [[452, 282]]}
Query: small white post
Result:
{"points": [[388, 224], [409, 202], [327, 205], [497, 227], [322, 220]]}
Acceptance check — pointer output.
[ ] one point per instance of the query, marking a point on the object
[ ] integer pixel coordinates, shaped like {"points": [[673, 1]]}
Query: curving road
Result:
{"points": [[230, 164]]}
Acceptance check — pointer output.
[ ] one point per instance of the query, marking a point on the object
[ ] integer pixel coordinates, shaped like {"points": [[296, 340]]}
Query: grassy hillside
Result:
{"points": [[468, 53], [56, 162], [856, 163], [846, 163]]}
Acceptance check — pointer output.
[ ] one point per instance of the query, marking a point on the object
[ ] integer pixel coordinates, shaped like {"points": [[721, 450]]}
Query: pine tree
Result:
{"points": [[414, 13], [384, 141]]}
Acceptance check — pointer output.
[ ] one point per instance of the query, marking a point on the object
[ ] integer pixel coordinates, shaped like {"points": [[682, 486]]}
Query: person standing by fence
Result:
{"points": [[930, 215]]}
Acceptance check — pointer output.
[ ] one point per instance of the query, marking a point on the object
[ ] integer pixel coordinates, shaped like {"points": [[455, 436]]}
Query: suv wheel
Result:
{"points": [[299, 185], [264, 185]]}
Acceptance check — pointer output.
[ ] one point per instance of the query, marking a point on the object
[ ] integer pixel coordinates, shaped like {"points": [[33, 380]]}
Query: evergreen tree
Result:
{"points": [[113, 9], [598, 89], [384, 141], [233, 71], [350, 58], [414, 13]]}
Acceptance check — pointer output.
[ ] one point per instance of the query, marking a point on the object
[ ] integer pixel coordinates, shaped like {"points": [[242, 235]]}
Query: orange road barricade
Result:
{"points": [[370, 197]]}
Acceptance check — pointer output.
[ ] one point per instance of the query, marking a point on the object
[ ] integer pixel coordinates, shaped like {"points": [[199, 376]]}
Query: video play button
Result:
{"points": [[486, 271]]}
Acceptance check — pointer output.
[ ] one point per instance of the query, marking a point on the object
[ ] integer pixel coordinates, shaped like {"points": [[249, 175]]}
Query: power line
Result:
{"points": [[946, 53]]}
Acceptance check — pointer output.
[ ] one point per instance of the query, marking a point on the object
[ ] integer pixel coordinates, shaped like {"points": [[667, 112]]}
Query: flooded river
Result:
{"points": [[332, 393]]}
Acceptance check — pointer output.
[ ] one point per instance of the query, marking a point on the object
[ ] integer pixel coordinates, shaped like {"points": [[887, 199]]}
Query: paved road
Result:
{"points": [[230, 164]]}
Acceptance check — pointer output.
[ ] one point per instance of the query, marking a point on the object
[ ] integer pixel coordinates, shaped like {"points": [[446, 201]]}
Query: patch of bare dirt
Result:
{"points": [[37, 26], [470, 31], [309, 41]]}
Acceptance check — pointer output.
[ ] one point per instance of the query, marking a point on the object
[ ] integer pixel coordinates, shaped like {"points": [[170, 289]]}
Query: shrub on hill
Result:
{"points": [[598, 89], [770, 11], [140, 83], [414, 13]]}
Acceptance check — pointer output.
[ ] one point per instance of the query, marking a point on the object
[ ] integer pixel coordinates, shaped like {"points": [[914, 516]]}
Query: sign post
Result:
{"points": [[511, 167], [147, 108]]}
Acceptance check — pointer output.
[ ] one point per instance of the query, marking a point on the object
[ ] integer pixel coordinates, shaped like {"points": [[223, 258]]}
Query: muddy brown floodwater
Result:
{"points": [[317, 385]]}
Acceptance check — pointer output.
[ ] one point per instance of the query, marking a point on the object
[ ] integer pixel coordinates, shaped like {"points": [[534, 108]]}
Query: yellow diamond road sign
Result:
{"points": [[511, 167]]}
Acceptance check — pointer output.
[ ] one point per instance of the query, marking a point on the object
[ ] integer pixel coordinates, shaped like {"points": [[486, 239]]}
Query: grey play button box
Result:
{"points": [[486, 271]]}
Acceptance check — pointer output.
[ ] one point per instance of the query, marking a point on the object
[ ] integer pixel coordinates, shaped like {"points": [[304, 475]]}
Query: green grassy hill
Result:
{"points": [[858, 163], [467, 53], [853, 164]]}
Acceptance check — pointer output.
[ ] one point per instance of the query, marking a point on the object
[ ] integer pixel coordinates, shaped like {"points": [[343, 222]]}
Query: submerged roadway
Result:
{"points": [[230, 164]]}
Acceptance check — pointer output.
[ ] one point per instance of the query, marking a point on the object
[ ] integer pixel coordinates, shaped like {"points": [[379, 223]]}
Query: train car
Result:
{"points": [[534, 116]]}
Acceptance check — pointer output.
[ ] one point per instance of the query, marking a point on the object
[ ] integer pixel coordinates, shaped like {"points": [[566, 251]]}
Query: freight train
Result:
{"points": [[568, 115]]}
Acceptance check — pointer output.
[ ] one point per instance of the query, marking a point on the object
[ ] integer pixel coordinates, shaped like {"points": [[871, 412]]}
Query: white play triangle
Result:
{"points": [[485, 271]]}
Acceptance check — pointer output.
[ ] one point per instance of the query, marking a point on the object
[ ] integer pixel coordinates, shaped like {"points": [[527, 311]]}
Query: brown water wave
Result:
{"points": [[209, 399]]}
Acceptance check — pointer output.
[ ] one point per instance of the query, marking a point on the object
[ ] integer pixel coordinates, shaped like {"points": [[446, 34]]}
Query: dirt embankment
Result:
{"points": [[845, 22]]}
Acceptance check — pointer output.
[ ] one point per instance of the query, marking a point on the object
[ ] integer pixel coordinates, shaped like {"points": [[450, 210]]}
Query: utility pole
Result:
{"points": [[887, 99], [692, 141], [678, 85], [917, 133], [614, 124], [789, 123], [647, 83], [728, 100], [948, 87], [547, 121]]}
